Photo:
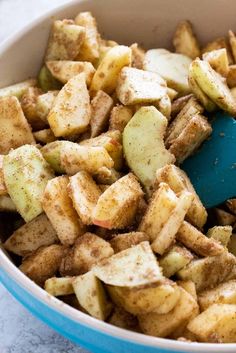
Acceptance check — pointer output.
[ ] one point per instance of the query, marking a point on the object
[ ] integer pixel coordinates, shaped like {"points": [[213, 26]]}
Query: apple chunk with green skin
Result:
{"points": [[52, 154], [212, 85], [26, 174], [116, 207], [143, 144], [173, 67], [91, 295]]}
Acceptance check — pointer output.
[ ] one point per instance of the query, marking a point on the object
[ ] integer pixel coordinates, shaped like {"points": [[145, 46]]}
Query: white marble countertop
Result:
{"points": [[20, 332]]}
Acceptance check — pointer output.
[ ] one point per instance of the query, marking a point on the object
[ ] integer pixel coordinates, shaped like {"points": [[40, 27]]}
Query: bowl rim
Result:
{"points": [[73, 314]]}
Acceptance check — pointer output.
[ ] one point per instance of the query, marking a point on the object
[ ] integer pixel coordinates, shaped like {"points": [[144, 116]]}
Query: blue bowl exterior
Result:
{"points": [[87, 337]]}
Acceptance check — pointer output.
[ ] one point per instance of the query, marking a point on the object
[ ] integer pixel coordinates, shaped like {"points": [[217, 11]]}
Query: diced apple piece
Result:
{"points": [[156, 297], [213, 86], [64, 41], [44, 136], [178, 181], [127, 240], [163, 325], [195, 240], [225, 293], [190, 109], [138, 55], [179, 103], [59, 208], [222, 234], [191, 138], [171, 66], [101, 105], [231, 78], [29, 237], [210, 271], [120, 116], [139, 262], [185, 41], [91, 295], [111, 141], [175, 259], [43, 263], [15, 130], [172, 93], [106, 179], [206, 102], [117, 206], [166, 236], [17, 89], [64, 70], [218, 60], [28, 105], [103, 50], [143, 144], [160, 207], [59, 286], [219, 43], [105, 139], [123, 319], [215, 325], [164, 106], [75, 158], [84, 193], [52, 154], [106, 76], [26, 174], [71, 111], [86, 252], [189, 286], [89, 50], [138, 86], [44, 104]]}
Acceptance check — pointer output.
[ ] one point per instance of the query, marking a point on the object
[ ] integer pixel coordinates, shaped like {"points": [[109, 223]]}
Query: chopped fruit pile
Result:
{"points": [[94, 206]]}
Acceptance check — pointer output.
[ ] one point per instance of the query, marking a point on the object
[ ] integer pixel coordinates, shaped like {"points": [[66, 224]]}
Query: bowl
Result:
{"points": [[151, 23]]}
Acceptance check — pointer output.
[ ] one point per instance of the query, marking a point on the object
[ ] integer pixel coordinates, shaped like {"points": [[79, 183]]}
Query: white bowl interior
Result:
{"points": [[148, 22]]}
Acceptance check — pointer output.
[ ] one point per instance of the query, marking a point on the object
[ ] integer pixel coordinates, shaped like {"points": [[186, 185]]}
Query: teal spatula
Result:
{"points": [[212, 169]]}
